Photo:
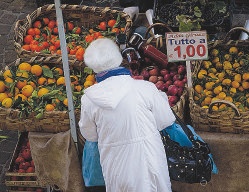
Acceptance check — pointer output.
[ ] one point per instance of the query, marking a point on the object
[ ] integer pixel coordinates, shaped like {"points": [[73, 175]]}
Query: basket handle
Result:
{"points": [[236, 110], [157, 24], [233, 30]]}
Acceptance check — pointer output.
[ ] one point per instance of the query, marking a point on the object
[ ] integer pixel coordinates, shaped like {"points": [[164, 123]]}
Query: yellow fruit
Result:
{"points": [[233, 50], [59, 70], [245, 76], [65, 102], [51, 80], [226, 82], [209, 93], [221, 76], [3, 96], [241, 88], [41, 80], [227, 65], [245, 85], [235, 84], [78, 88], [7, 102], [202, 73], [215, 108], [216, 60], [207, 101], [218, 65], [212, 70], [206, 64], [214, 52], [88, 84], [222, 106], [2, 87], [217, 90], [42, 92], [238, 78], [9, 80], [227, 57], [209, 85], [49, 107], [23, 97], [27, 90], [32, 84], [228, 98], [36, 70], [23, 74], [7, 73], [233, 90], [236, 65], [60, 81], [74, 79], [222, 95], [24, 66], [20, 84]]}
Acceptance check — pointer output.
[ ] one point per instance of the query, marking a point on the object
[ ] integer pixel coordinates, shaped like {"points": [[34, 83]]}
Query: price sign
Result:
{"points": [[184, 46]]}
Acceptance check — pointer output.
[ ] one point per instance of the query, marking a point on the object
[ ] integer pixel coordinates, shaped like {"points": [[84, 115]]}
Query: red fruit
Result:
{"points": [[172, 90], [102, 26], [164, 72], [26, 154], [179, 83], [172, 73], [177, 77], [21, 171], [154, 72], [166, 77], [30, 170], [180, 91], [153, 79], [19, 159], [32, 164], [173, 100], [167, 84], [181, 69], [160, 78], [159, 84], [145, 74]]}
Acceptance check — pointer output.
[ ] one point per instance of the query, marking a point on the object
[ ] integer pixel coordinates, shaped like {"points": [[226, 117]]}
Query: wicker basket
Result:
{"points": [[53, 121], [157, 40], [84, 16], [228, 121]]}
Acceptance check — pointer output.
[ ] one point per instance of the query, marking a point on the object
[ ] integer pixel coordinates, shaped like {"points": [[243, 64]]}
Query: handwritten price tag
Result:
{"points": [[184, 46]]}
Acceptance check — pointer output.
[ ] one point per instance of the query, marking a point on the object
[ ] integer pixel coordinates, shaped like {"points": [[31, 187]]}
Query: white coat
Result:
{"points": [[125, 116]]}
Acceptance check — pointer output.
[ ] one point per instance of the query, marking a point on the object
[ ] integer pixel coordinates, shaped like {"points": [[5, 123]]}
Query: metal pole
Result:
{"points": [[66, 69]]}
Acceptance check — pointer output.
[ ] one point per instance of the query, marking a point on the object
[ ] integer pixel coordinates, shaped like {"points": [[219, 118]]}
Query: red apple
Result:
{"points": [[154, 71], [137, 77], [153, 79], [172, 90], [173, 100], [145, 74], [30, 170], [159, 84], [26, 154], [166, 77], [164, 72]]}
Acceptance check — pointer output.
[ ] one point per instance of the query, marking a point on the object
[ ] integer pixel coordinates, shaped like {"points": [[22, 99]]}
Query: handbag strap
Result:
{"points": [[196, 142]]}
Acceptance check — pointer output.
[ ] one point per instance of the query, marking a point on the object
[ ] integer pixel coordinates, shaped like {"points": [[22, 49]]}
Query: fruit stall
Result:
{"points": [[40, 92]]}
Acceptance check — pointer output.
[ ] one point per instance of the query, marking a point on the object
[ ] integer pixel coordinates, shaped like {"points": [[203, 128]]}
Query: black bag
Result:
{"points": [[188, 164]]}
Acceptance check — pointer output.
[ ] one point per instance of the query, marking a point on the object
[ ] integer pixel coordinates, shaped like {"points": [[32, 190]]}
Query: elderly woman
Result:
{"points": [[125, 116]]}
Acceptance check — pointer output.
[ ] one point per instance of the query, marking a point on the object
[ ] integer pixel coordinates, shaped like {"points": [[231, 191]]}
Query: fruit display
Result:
{"points": [[43, 36], [37, 34], [224, 76], [36, 88], [21, 175], [170, 79]]}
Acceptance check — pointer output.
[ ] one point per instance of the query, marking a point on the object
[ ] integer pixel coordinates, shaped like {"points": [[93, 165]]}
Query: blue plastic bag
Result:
{"points": [[91, 168], [177, 134]]}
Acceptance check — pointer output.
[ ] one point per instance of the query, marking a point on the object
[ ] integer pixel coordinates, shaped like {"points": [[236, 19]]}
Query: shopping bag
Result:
{"points": [[91, 168]]}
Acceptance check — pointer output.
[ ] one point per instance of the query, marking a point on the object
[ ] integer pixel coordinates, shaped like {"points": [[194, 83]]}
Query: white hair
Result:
{"points": [[102, 54]]}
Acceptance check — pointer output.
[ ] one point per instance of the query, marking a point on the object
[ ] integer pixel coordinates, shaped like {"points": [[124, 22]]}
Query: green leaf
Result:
{"points": [[47, 72], [88, 70]]}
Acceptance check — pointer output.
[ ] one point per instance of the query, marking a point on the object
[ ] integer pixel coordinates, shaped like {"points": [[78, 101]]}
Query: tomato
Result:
{"points": [[37, 24], [115, 30], [52, 49], [96, 35], [55, 30], [37, 31], [26, 47], [57, 44], [45, 20], [80, 54], [51, 24], [89, 38], [102, 26], [69, 26], [45, 44], [111, 23], [77, 30], [27, 39], [31, 31]]}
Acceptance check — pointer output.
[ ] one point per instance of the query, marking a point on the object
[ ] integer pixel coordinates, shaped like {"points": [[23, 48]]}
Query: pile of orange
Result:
{"points": [[35, 88], [223, 76]]}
